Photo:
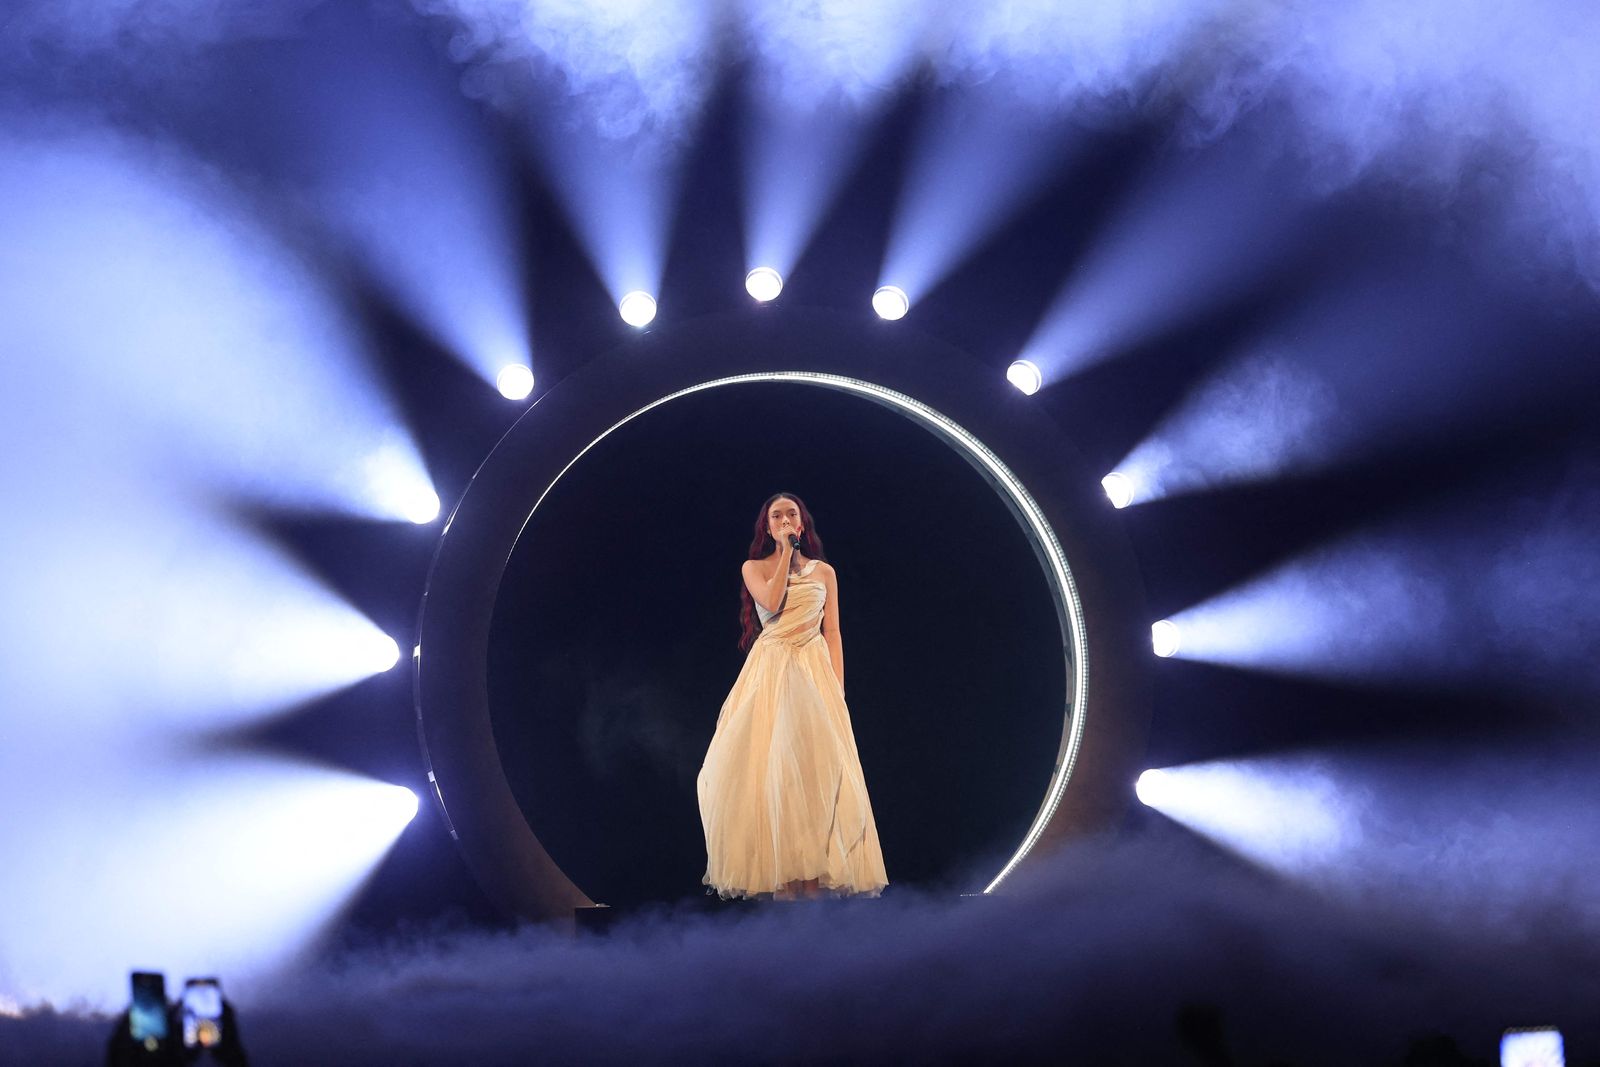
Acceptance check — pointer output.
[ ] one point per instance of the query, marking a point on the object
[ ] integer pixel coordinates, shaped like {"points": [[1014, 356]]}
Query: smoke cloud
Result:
{"points": [[1451, 101], [1093, 960], [1438, 97], [628, 68]]}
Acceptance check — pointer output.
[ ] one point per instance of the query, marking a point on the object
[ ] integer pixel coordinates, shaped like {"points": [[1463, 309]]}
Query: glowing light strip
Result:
{"points": [[1043, 535]]}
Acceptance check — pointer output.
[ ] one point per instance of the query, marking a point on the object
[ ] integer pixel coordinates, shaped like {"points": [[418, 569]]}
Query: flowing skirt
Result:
{"points": [[782, 795]]}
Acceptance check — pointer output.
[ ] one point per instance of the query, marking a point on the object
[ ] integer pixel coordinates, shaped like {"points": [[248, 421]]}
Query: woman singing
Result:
{"points": [[782, 797]]}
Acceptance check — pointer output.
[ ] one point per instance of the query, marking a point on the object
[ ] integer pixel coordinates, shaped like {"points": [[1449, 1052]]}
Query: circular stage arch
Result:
{"points": [[1049, 490]]}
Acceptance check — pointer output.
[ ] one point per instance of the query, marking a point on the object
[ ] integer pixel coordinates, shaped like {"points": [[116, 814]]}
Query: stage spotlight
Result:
{"points": [[1119, 489], [1025, 376], [1151, 787], [891, 302], [764, 284], [515, 381], [422, 506], [1164, 638], [385, 653], [399, 807], [638, 308], [379, 810]]}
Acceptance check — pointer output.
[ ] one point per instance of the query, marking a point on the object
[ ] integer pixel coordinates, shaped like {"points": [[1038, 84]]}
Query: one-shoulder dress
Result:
{"points": [[782, 795]]}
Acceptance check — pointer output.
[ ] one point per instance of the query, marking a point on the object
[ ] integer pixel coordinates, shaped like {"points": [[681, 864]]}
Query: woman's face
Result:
{"points": [[783, 509]]}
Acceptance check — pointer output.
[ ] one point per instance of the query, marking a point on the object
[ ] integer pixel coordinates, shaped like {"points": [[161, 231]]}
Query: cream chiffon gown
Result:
{"points": [[782, 796]]}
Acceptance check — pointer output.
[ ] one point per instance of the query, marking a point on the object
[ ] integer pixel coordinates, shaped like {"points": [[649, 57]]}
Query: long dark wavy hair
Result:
{"points": [[762, 547]]}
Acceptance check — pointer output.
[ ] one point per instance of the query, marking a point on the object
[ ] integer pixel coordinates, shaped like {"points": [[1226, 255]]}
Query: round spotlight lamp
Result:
{"points": [[891, 302], [514, 381], [1164, 638], [1119, 489], [1151, 788], [638, 308], [1024, 374], [404, 802], [763, 284], [423, 506], [384, 652]]}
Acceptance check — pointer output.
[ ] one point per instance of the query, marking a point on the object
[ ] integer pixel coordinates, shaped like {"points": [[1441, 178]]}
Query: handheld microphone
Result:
{"points": [[794, 542]]}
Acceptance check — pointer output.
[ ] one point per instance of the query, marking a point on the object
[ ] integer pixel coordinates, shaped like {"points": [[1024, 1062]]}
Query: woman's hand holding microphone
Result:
{"points": [[788, 537]]}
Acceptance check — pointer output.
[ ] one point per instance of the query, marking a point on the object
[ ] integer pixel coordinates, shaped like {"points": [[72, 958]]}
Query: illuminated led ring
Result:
{"points": [[1051, 492]]}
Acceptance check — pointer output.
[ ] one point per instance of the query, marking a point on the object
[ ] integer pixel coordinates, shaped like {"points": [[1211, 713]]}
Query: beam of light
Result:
{"points": [[1287, 816], [763, 284], [795, 161], [1025, 376], [1498, 584], [822, 74], [1267, 415], [1192, 235], [142, 621], [1344, 375], [620, 204], [1119, 488], [1150, 787], [1165, 638], [401, 487], [1463, 829], [890, 302], [385, 654], [423, 508], [151, 858], [409, 177], [155, 298], [638, 309], [608, 92], [1372, 606], [515, 381], [977, 159], [187, 619]]}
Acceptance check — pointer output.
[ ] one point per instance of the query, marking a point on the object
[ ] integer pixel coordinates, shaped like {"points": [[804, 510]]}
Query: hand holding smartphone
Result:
{"points": [[202, 1013], [147, 1015]]}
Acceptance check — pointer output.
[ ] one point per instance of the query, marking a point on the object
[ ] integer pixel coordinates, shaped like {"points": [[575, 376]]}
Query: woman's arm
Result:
{"points": [[768, 592], [830, 622]]}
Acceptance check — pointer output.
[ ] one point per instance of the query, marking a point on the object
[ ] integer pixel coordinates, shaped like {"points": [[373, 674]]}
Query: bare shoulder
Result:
{"points": [[827, 570], [758, 568]]}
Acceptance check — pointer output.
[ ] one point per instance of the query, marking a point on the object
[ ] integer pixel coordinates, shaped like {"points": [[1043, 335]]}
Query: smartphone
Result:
{"points": [[1535, 1046], [202, 1013], [147, 1015]]}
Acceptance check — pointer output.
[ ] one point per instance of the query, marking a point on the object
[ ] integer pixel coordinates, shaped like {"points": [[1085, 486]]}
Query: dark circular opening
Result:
{"points": [[614, 636]]}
